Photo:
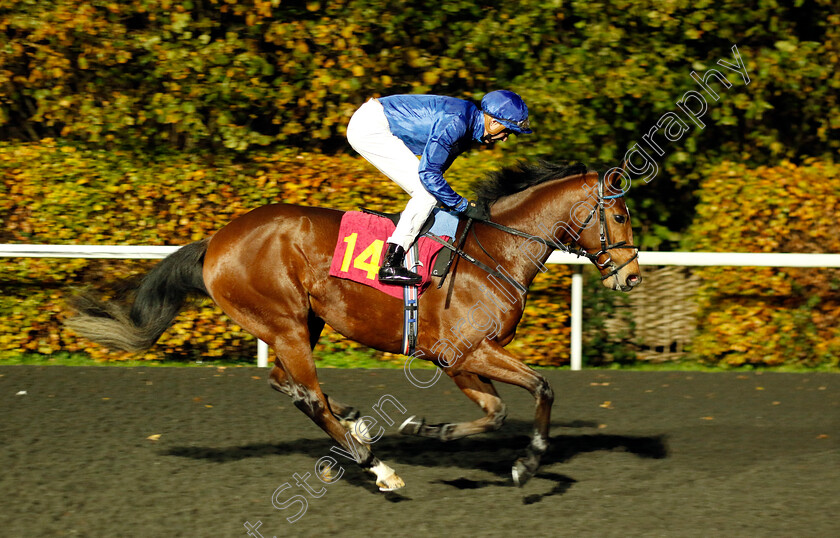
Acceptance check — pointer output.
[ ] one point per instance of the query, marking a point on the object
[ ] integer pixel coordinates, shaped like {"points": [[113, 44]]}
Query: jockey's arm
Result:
{"points": [[437, 156]]}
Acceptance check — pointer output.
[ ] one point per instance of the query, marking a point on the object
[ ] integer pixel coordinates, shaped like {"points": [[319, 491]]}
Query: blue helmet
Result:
{"points": [[507, 108]]}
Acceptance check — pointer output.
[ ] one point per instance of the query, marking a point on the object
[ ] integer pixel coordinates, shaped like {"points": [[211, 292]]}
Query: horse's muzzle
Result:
{"points": [[617, 282], [630, 282]]}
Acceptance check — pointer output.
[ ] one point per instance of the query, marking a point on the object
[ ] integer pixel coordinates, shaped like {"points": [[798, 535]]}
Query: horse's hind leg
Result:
{"points": [[294, 374], [478, 389], [278, 380], [345, 413]]}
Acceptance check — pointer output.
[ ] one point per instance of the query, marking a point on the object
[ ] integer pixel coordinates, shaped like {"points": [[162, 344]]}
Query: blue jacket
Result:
{"points": [[438, 129]]}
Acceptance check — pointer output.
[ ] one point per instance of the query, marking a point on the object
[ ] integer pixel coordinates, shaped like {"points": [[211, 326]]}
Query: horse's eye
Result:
{"points": [[621, 219]]}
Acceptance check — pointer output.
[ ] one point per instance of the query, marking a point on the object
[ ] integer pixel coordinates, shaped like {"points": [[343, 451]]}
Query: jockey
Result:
{"points": [[390, 132]]}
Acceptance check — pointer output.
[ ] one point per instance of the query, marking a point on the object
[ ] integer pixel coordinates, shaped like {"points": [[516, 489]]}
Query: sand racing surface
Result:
{"points": [[98, 451]]}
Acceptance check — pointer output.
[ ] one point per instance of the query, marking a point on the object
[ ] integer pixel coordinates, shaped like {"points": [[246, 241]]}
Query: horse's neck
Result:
{"points": [[545, 202], [536, 211]]}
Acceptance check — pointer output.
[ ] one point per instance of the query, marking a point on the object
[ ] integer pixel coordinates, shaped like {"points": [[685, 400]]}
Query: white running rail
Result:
{"points": [[731, 259]]}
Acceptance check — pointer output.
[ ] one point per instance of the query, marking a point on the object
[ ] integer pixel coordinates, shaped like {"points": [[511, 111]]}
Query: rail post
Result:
{"points": [[577, 319]]}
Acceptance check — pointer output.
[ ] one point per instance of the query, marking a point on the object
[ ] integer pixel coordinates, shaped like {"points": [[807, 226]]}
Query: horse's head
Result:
{"points": [[605, 230], [559, 206]]}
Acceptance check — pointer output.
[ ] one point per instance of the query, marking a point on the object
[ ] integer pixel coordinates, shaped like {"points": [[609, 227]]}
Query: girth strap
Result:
{"points": [[411, 298]]}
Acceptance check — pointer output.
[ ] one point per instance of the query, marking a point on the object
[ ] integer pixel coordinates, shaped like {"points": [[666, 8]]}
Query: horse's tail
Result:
{"points": [[136, 325]]}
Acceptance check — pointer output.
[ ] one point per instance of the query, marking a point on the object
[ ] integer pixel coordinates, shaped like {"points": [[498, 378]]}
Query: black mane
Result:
{"points": [[517, 178]]}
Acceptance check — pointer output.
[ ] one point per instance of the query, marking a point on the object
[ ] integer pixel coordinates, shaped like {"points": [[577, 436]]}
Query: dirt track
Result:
{"points": [[633, 454]]}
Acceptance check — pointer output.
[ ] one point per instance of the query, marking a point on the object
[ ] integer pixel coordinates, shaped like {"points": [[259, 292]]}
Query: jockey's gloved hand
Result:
{"points": [[476, 211]]}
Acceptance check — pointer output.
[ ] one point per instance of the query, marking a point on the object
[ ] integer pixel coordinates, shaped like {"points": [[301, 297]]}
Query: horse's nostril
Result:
{"points": [[634, 280]]}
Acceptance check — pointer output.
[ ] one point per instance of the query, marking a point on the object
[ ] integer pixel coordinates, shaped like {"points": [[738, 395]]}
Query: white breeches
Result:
{"points": [[370, 135]]}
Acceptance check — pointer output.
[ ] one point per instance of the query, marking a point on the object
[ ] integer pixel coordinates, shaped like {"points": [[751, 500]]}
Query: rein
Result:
{"points": [[571, 249], [480, 265], [604, 236]]}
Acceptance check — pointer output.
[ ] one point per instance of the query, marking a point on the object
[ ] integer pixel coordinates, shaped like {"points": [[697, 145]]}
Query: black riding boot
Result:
{"points": [[393, 272]]}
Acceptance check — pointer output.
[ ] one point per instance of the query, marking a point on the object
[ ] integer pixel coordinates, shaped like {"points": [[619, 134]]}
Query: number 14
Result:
{"points": [[368, 260]]}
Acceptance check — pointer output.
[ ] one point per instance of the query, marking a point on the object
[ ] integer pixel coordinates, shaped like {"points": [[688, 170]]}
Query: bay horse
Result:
{"points": [[269, 271]]}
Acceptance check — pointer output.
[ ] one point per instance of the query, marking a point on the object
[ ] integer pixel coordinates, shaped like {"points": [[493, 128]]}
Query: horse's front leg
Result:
{"points": [[477, 389], [492, 361]]}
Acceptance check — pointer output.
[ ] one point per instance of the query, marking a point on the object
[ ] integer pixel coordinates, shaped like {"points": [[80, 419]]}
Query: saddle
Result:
{"points": [[358, 254]]}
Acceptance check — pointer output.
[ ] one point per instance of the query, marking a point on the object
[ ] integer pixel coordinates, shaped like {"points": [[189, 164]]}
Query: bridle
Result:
{"points": [[604, 234], [574, 248]]}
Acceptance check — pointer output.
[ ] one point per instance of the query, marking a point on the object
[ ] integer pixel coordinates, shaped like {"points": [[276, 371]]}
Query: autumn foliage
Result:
{"points": [[55, 194], [240, 74], [235, 76], [765, 315], [157, 121]]}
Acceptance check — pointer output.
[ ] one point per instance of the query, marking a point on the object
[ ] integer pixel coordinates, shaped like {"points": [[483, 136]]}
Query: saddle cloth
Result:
{"points": [[360, 248]]}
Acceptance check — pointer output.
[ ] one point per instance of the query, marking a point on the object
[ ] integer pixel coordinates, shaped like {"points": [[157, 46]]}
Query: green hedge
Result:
{"points": [[239, 73], [233, 75]]}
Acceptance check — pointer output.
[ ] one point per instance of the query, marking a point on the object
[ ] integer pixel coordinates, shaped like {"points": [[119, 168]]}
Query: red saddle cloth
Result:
{"points": [[360, 249]]}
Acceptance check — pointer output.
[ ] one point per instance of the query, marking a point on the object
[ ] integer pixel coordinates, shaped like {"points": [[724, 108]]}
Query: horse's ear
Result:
{"points": [[614, 179]]}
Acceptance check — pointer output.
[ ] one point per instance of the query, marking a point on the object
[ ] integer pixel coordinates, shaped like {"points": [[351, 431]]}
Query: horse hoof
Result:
{"points": [[412, 425], [326, 475], [386, 478], [391, 483], [521, 473]]}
